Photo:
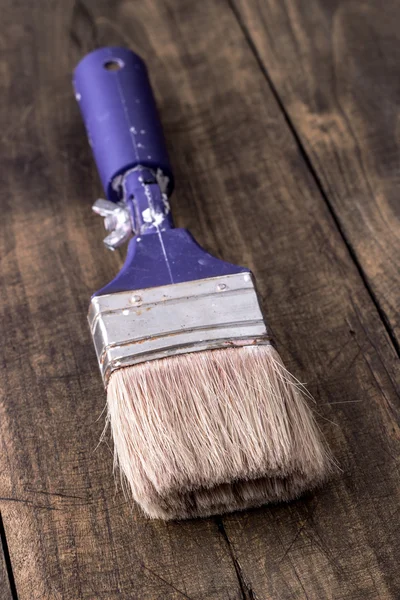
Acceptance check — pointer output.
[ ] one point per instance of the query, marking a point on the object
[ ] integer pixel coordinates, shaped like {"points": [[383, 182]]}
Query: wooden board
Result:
{"points": [[334, 68], [246, 192]]}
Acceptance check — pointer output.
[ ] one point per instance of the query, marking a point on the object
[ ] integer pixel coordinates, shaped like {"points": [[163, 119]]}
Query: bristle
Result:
{"points": [[210, 432]]}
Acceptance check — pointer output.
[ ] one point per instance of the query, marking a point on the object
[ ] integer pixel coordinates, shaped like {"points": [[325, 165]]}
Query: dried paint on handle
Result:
{"points": [[124, 130], [120, 115]]}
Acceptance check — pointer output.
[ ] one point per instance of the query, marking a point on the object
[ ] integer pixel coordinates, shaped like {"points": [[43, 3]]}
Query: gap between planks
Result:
{"points": [[309, 164]]}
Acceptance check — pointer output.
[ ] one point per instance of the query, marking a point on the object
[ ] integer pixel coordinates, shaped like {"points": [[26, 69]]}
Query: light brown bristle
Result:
{"points": [[211, 432]]}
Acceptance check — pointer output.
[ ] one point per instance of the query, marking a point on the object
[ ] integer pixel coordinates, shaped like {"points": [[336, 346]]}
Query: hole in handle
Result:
{"points": [[114, 64]]}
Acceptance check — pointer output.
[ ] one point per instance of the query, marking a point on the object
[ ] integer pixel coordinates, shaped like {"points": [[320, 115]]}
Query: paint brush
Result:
{"points": [[204, 416]]}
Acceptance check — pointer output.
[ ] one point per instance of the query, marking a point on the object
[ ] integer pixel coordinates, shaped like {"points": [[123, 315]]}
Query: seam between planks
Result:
{"points": [[7, 560], [309, 164], [246, 590]]}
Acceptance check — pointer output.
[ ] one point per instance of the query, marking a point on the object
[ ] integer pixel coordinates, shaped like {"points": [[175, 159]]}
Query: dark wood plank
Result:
{"points": [[247, 194], [334, 66]]}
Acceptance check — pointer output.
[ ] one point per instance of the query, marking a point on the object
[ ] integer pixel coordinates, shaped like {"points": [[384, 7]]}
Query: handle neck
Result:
{"points": [[146, 200]]}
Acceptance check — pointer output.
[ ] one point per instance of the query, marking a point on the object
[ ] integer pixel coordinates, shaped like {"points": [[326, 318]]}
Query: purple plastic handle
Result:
{"points": [[124, 131], [120, 114]]}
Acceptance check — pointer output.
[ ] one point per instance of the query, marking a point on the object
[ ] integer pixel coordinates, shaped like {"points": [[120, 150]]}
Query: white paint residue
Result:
{"points": [[133, 130], [142, 131], [123, 101], [166, 203], [162, 180], [148, 195], [78, 96], [146, 216], [150, 215], [158, 219], [116, 182]]}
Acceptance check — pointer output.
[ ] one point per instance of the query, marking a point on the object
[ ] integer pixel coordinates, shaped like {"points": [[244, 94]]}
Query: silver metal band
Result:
{"points": [[141, 325]]}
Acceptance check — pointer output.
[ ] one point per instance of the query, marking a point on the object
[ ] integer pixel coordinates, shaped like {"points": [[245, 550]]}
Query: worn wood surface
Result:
{"points": [[334, 68], [249, 192]]}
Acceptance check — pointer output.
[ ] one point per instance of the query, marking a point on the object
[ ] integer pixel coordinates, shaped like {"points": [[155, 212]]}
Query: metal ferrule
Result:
{"points": [[141, 325]]}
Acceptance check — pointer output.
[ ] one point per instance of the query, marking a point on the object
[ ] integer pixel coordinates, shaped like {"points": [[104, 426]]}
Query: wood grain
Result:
{"points": [[334, 67], [246, 192]]}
